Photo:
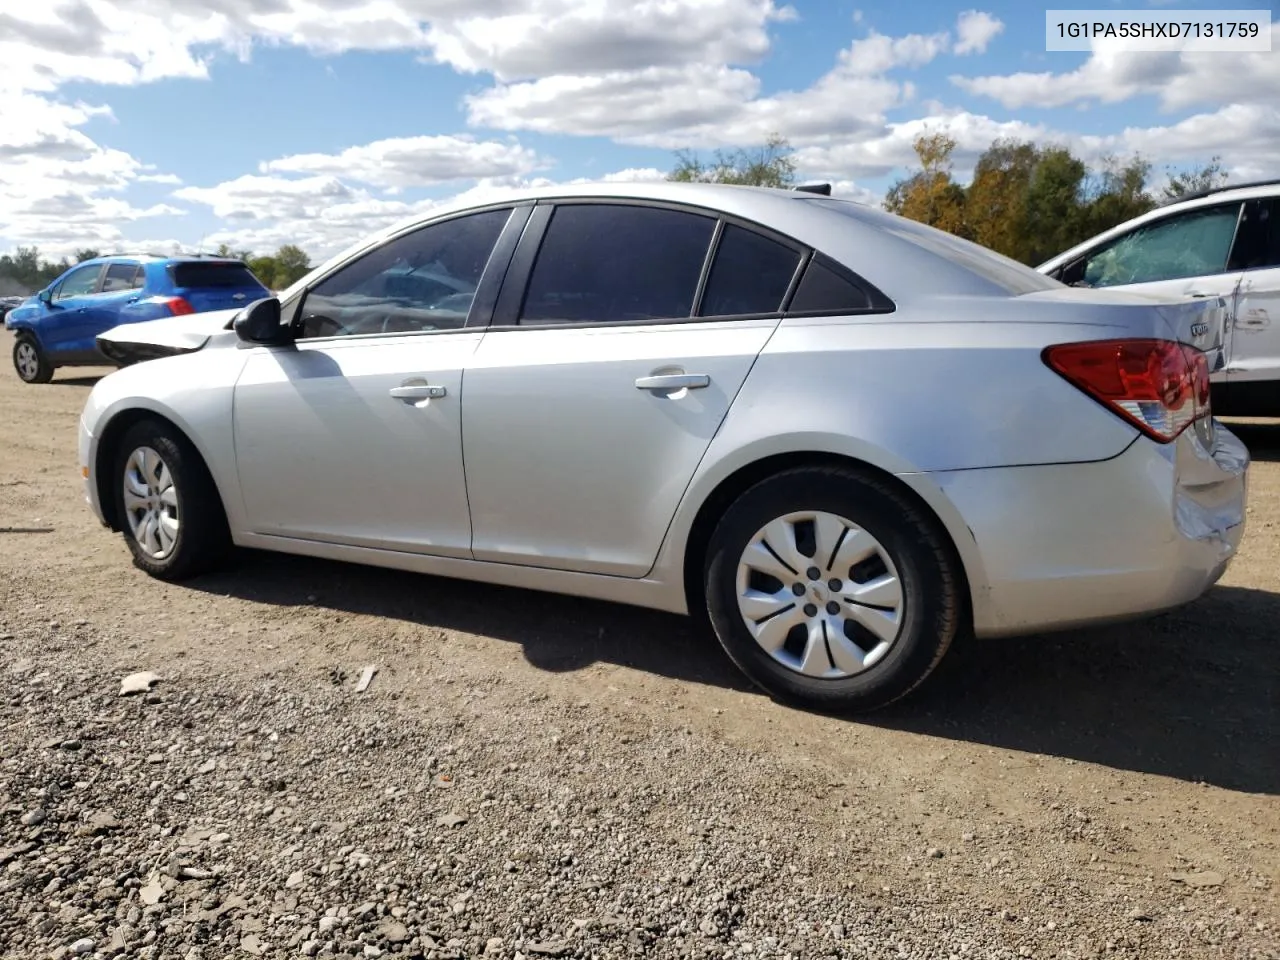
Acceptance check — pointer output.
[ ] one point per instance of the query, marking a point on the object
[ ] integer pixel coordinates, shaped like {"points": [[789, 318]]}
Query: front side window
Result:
{"points": [[421, 281], [751, 274], [120, 276], [79, 282], [609, 263], [1191, 244]]}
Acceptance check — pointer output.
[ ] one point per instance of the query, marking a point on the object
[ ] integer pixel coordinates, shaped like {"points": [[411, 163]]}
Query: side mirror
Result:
{"points": [[45, 296], [259, 324]]}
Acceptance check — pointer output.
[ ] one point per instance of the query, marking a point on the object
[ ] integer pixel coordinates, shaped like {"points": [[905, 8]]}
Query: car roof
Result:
{"points": [[1255, 188], [159, 258], [883, 247]]}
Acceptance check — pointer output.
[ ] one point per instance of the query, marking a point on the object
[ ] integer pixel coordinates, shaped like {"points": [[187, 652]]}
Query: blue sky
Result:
{"points": [[159, 123]]}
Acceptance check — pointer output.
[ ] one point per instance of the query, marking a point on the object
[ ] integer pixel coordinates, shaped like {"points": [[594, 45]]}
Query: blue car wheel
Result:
{"points": [[29, 360]]}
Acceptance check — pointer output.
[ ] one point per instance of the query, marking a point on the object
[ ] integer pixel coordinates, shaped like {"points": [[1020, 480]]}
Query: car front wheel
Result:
{"points": [[167, 503], [831, 589], [30, 362]]}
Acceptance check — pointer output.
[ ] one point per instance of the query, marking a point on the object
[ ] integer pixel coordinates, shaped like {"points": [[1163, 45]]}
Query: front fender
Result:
{"points": [[25, 325], [194, 392]]}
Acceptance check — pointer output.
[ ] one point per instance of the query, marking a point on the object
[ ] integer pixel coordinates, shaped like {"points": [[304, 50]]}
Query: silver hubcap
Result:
{"points": [[28, 362], [151, 503], [820, 595]]}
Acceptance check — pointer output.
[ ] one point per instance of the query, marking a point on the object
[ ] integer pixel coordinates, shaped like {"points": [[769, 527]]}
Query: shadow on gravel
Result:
{"points": [[558, 634], [1194, 694], [82, 381], [1262, 437]]}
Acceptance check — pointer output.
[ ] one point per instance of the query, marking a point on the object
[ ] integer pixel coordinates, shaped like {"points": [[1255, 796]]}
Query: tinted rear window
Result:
{"points": [[608, 263], [213, 275], [823, 290], [751, 274]]}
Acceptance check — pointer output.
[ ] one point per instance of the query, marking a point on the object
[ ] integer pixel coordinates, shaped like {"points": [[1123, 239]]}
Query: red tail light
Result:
{"points": [[178, 306], [1159, 386]]}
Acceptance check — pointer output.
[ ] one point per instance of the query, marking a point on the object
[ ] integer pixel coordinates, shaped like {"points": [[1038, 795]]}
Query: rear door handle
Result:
{"points": [[674, 381], [417, 391]]}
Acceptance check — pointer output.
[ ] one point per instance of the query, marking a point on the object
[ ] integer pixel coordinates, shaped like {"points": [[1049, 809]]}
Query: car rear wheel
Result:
{"points": [[30, 362], [831, 589], [168, 506]]}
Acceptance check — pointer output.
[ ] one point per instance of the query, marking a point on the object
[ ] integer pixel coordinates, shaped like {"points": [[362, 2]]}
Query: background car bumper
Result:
{"points": [[1075, 544]]}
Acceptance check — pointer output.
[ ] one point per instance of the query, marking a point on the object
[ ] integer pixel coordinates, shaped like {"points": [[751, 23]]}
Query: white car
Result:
{"points": [[1220, 243], [841, 436]]}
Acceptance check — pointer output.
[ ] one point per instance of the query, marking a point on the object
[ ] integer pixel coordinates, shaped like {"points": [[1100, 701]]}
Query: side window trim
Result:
{"points": [[496, 265], [708, 261], [506, 310], [506, 313]]}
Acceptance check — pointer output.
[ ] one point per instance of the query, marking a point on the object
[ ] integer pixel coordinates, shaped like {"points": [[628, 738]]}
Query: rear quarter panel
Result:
{"points": [[911, 397]]}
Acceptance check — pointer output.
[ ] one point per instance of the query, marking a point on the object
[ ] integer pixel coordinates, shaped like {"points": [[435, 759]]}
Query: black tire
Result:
{"points": [[931, 587], [203, 540], [24, 348]]}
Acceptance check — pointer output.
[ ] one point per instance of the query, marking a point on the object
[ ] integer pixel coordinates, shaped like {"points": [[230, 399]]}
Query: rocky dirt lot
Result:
{"points": [[535, 776]]}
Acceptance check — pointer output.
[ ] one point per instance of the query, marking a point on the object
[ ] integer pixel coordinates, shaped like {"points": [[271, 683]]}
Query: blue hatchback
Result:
{"points": [[57, 327]]}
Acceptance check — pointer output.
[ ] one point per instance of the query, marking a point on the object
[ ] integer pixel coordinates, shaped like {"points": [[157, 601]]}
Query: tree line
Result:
{"points": [[24, 271], [1025, 200]]}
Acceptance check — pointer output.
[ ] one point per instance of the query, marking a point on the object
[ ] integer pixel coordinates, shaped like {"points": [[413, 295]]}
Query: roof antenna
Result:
{"points": [[823, 189]]}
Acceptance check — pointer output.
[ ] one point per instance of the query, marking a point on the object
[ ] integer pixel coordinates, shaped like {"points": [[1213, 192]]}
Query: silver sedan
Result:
{"points": [[841, 437]]}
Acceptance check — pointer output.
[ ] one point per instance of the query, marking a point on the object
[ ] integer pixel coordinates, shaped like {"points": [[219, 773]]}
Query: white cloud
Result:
{"points": [[877, 53], [425, 161], [975, 30], [890, 147], [1115, 72], [252, 197], [633, 105], [848, 190], [717, 104], [58, 187], [164, 178], [1246, 136], [323, 215], [136, 41], [539, 37]]}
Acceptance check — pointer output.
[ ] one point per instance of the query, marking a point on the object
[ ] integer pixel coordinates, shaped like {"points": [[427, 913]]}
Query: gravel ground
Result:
{"points": [[535, 776]]}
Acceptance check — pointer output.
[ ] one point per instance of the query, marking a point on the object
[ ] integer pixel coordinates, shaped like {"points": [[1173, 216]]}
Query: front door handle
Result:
{"points": [[417, 391], [674, 381]]}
